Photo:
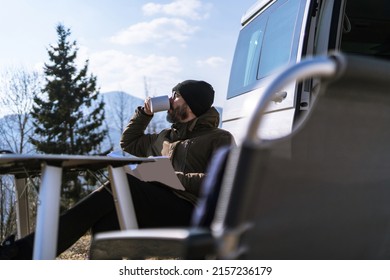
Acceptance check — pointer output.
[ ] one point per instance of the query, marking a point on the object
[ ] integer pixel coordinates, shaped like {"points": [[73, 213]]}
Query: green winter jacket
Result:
{"points": [[189, 146]]}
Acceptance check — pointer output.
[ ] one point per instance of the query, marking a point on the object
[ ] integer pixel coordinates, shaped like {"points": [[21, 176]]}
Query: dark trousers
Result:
{"points": [[155, 206]]}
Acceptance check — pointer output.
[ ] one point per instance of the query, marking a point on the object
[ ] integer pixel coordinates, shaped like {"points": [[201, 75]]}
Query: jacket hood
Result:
{"points": [[208, 120]]}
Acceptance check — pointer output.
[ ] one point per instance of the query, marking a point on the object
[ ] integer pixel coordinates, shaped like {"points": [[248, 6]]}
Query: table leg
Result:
{"points": [[45, 242], [22, 208], [122, 197]]}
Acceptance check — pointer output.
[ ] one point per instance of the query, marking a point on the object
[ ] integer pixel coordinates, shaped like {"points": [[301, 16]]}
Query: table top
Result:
{"points": [[29, 164]]}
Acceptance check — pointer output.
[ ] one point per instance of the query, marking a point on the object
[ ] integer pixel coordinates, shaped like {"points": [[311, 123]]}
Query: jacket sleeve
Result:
{"points": [[134, 140], [191, 181]]}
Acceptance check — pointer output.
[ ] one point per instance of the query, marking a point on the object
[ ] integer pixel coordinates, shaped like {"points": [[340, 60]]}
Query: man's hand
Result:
{"points": [[147, 109]]}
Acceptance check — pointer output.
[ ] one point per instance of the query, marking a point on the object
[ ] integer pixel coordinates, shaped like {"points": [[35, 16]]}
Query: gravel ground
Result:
{"points": [[79, 251]]}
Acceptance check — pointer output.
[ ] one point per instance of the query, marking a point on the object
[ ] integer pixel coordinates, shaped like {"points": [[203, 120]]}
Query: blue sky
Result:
{"points": [[129, 41]]}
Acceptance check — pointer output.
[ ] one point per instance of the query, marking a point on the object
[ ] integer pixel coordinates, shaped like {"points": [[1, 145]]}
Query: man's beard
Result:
{"points": [[178, 114]]}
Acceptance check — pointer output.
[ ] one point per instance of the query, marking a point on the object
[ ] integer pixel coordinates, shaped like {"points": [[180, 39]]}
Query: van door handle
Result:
{"points": [[279, 96]]}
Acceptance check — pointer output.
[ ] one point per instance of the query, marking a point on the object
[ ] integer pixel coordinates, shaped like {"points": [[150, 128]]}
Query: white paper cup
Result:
{"points": [[159, 103]]}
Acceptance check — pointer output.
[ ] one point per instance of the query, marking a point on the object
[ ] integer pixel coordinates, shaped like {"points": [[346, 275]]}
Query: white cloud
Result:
{"points": [[116, 70], [193, 9], [158, 31], [213, 62]]}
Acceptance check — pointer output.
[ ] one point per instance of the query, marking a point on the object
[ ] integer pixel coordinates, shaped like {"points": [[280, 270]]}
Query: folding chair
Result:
{"points": [[328, 198]]}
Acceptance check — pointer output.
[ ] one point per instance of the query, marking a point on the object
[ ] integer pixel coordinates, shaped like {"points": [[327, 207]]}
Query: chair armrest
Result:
{"points": [[153, 244]]}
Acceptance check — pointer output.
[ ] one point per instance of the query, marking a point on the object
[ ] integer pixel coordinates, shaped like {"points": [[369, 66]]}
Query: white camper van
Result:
{"points": [[277, 33]]}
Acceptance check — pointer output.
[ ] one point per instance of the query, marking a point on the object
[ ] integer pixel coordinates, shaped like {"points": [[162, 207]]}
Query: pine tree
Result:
{"points": [[69, 115]]}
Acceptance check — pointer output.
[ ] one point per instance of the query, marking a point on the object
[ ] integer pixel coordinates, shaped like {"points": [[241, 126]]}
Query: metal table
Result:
{"points": [[50, 168]]}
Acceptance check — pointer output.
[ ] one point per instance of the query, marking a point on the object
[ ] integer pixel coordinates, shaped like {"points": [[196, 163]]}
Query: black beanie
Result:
{"points": [[199, 95]]}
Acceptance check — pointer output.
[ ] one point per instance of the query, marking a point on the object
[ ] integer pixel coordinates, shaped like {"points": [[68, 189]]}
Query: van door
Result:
{"points": [[274, 35]]}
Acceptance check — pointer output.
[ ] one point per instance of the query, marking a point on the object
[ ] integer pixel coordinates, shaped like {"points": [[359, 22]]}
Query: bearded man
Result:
{"points": [[189, 143]]}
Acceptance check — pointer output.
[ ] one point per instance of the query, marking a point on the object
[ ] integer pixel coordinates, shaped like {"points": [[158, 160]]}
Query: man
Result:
{"points": [[190, 143]]}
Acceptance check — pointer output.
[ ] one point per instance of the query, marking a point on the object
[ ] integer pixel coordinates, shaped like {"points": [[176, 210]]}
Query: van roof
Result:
{"points": [[254, 9]]}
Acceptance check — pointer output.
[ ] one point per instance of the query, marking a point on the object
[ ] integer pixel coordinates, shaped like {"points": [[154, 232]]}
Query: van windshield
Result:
{"points": [[264, 45]]}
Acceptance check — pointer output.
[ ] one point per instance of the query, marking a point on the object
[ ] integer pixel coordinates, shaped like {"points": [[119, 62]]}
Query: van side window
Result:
{"points": [[253, 56], [264, 45], [278, 39], [248, 54]]}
